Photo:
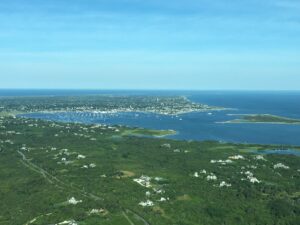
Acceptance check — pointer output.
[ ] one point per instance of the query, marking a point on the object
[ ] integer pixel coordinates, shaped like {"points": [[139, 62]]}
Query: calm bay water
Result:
{"points": [[202, 125]]}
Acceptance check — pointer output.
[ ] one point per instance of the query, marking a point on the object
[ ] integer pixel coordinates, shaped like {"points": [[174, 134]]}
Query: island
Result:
{"points": [[96, 174], [264, 118]]}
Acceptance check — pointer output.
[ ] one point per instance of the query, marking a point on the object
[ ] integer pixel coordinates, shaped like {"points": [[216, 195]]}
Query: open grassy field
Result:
{"points": [[148, 132]]}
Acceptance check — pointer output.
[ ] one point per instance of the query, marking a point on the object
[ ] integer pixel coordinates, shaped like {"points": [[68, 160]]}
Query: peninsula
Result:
{"points": [[165, 105]]}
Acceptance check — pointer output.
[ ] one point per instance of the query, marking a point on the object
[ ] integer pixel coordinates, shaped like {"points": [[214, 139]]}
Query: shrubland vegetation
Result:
{"points": [[65, 173], [76, 174]]}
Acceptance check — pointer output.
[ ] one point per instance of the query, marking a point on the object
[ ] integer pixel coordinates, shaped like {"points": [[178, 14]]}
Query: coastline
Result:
{"points": [[115, 111], [262, 119], [250, 122]]}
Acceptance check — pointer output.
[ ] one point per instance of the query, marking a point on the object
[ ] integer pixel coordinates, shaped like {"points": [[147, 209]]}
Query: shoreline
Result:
{"points": [[169, 136], [263, 119], [251, 122], [115, 111]]}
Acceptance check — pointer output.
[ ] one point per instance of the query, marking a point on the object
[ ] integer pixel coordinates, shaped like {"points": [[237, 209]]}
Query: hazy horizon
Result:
{"points": [[134, 44], [146, 90]]}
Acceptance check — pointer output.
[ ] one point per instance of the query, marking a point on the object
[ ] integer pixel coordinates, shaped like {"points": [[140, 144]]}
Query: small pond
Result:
{"points": [[279, 152]]}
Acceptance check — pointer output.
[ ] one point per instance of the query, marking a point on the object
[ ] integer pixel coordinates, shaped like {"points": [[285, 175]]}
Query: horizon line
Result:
{"points": [[139, 89]]}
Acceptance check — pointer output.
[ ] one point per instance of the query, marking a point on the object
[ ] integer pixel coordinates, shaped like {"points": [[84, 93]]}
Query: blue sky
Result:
{"points": [[150, 44]]}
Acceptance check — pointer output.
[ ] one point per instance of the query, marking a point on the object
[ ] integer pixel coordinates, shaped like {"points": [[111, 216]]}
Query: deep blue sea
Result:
{"points": [[197, 125]]}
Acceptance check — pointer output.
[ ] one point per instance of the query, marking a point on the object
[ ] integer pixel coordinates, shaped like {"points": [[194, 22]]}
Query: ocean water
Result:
{"points": [[203, 125]]}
